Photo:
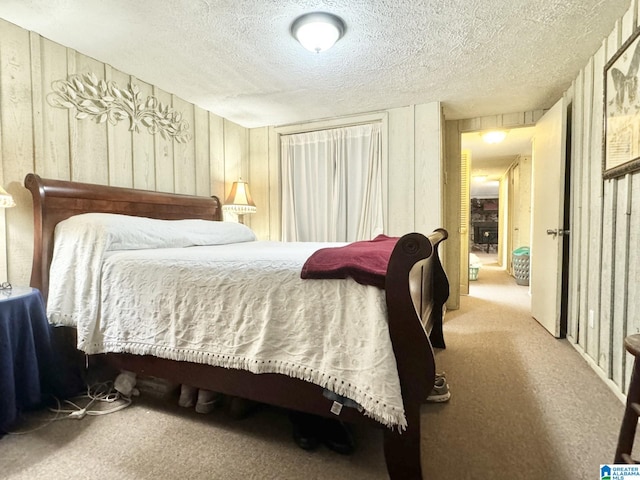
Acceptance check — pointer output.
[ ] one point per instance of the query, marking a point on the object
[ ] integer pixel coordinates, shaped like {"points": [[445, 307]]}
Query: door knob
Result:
{"points": [[557, 232]]}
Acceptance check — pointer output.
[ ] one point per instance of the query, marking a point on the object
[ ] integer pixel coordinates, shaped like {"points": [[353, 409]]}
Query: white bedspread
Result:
{"points": [[242, 305]]}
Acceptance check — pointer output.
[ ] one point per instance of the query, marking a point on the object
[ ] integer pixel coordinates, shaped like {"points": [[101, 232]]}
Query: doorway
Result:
{"points": [[498, 201]]}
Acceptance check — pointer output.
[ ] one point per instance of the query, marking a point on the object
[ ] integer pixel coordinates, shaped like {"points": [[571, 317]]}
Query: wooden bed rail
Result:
{"points": [[416, 289]]}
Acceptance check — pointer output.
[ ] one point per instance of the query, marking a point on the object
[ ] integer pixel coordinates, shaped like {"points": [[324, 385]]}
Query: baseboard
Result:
{"points": [[596, 368]]}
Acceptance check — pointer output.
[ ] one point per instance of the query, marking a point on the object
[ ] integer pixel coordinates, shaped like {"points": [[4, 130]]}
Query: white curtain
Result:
{"points": [[332, 185]]}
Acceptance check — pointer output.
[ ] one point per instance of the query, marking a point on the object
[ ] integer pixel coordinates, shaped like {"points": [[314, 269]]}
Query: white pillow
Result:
{"points": [[125, 232]]}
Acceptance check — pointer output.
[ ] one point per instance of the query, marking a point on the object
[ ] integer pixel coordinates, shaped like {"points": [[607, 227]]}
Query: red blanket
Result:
{"points": [[366, 261]]}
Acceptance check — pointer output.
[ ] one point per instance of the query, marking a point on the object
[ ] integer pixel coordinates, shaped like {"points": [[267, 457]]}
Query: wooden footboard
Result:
{"points": [[416, 289]]}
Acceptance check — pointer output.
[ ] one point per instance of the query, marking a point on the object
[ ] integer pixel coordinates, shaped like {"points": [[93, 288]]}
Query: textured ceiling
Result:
{"points": [[237, 59]]}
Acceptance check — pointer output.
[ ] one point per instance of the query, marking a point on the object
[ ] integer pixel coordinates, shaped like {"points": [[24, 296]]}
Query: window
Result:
{"points": [[332, 184]]}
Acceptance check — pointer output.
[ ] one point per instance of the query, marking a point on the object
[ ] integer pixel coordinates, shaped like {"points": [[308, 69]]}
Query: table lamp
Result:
{"points": [[239, 200], [6, 201]]}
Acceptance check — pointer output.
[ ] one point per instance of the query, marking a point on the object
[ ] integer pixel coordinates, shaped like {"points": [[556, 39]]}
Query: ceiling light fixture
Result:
{"points": [[317, 31], [494, 136]]}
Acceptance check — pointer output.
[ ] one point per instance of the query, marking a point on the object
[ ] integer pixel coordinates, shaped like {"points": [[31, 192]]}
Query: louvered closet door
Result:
{"points": [[465, 206]]}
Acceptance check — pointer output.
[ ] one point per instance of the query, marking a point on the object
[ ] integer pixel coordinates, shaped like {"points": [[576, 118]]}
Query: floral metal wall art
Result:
{"points": [[103, 101]]}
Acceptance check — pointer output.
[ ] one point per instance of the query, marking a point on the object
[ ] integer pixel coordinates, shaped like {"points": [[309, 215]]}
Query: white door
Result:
{"points": [[547, 200]]}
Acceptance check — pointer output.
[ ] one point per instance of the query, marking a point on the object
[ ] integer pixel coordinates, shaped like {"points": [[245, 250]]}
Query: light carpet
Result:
{"points": [[524, 406]]}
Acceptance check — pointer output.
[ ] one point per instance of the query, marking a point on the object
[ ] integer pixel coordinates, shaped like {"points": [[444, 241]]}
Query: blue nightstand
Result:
{"points": [[26, 358]]}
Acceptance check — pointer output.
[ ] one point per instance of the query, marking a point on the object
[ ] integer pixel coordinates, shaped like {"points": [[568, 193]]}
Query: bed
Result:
{"points": [[416, 289]]}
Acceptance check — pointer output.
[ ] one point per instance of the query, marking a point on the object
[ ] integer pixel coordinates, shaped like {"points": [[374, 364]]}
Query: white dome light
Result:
{"points": [[494, 136], [317, 31]]}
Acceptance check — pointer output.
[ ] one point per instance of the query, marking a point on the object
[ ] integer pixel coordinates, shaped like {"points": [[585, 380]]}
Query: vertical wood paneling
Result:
{"points": [[586, 308], [583, 212], [36, 137], [235, 149], [53, 160], [633, 271], [620, 280], [120, 147], [594, 142], [607, 273], [275, 208], [576, 216], [89, 159], [630, 299], [524, 201], [606, 226], [216, 155], [184, 155], [16, 119], [71, 119], [608, 298], [37, 89], [629, 20], [615, 228], [201, 145], [401, 159], [165, 175], [626, 27], [143, 150], [259, 176], [428, 167]]}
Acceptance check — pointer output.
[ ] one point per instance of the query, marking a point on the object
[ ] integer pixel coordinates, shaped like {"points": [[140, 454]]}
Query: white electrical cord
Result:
{"points": [[102, 392]]}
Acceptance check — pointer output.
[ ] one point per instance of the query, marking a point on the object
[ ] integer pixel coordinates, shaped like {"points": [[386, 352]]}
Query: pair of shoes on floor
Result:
{"points": [[205, 401], [440, 391], [309, 431]]}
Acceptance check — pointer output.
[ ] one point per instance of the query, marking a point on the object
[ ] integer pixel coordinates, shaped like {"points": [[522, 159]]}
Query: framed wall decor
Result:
{"points": [[621, 141]]}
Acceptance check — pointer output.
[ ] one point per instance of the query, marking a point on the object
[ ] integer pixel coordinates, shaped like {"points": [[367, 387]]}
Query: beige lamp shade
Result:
{"points": [[6, 200], [239, 200]]}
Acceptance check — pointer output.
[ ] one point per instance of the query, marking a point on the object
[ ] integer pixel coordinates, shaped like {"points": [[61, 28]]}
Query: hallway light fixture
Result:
{"points": [[494, 136], [317, 31]]}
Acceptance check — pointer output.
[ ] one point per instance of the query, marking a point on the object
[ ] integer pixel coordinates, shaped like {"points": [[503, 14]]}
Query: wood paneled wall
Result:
{"points": [[36, 137], [412, 172], [604, 283]]}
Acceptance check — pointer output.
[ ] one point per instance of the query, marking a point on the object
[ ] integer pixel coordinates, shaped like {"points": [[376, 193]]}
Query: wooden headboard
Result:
{"points": [[56, 200]]}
